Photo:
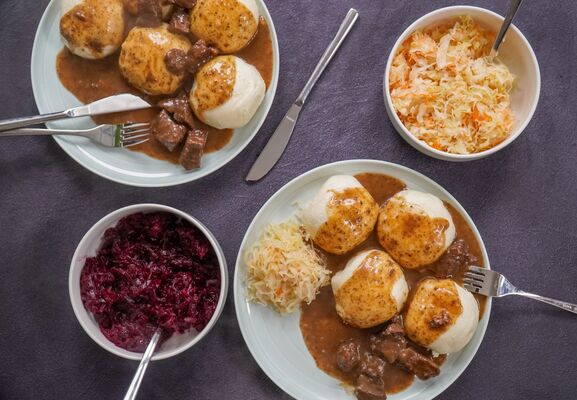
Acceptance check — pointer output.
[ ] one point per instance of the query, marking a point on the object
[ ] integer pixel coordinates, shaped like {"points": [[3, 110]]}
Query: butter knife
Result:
{"points": [[281, 136], [108, 105]]}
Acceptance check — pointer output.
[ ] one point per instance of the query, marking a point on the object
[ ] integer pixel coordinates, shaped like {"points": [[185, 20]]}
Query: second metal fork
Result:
{"points": [[124, 135], [493, 284]]}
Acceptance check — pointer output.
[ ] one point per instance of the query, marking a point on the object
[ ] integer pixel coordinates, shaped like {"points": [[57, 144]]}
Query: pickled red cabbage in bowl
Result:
{"points": [[152, 270]]}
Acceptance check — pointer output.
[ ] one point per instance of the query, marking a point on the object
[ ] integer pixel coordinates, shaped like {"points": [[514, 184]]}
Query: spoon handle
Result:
{"points": [[513, 7], [137, 380]]}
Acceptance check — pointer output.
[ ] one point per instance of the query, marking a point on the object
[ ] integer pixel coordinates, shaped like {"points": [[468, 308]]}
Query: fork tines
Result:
{"points": [[474, 278], [134, 134]]}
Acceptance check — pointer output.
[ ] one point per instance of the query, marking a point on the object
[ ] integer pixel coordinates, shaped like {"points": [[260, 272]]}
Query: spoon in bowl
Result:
{"points": [[513, 7], [137, 380]]}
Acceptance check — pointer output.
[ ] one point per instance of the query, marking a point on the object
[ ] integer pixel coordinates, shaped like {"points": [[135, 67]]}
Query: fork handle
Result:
{"points": [[40, 132], [15, 123], [557, 303]]}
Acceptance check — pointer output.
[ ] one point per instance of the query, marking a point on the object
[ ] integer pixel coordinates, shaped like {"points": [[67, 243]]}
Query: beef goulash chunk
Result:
{"points": [[390, 346], [370, 389], [149, 13], [176, 61], [419, 364], [191, 154], [440, 320], [180, 109], [370, 381], [179, 22], [390, 342], [348, 355], [454, 262], [200, 54], [167, 131], [179, 62], [393, 346]]}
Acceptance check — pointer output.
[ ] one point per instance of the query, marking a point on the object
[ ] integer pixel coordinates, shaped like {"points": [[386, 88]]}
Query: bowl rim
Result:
{"points": [[186, 177], [421, 145], [80, 310]]}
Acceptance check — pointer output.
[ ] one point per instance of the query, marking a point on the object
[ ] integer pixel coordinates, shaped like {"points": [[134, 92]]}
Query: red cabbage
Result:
{"points": [[152, 270]]}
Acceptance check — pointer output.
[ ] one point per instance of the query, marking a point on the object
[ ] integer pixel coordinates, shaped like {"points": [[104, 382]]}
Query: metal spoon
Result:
{"points": [[137, 380], [513, 7]]}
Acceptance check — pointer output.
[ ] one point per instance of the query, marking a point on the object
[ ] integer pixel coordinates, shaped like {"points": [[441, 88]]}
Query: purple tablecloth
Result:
{"points": [[520, 199]]}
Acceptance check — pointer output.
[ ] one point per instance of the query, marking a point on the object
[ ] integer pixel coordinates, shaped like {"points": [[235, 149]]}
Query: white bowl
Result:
{"points": [[515, 52], [89, 246], [122, 165]]}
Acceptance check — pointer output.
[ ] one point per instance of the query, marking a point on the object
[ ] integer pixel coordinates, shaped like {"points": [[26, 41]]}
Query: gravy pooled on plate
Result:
{"points": [[90, 80], [382, 352]]}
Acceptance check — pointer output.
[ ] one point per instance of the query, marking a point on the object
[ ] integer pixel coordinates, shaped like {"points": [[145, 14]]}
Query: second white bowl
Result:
{"points": [[515, 52], [89, 246]]}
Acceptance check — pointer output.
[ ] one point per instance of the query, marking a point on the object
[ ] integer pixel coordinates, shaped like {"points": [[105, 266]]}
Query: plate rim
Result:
{"points": [[238, 283], [179, 179]]}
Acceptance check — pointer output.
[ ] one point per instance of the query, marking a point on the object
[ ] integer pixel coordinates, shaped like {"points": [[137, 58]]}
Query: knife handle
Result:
{"points": [[15, 123], [329, 53]]}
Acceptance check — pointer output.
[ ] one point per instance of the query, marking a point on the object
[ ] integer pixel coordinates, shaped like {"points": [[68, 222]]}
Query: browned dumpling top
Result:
{"points": [[92, 28], [142, 59], [229, 25]]}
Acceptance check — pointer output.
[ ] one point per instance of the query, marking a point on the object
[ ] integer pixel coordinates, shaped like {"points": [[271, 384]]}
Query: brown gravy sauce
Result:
{"points": [[322, 328], [91, 80]]}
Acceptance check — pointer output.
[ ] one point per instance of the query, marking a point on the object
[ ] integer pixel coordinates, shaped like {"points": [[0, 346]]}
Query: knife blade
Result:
{"points": [[281, 136], [275, 146], [108, 105]]}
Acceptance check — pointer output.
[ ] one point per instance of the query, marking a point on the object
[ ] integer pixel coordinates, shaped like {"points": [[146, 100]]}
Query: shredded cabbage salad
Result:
{"points": [[447, 93], [284, 269]]}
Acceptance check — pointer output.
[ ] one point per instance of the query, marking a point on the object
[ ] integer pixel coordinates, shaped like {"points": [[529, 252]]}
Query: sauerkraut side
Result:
{"points": [[447, 93], [284, 269]]}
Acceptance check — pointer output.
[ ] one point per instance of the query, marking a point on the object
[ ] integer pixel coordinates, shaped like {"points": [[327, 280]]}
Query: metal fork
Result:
{"points": [[124, 135], [493, 284]]}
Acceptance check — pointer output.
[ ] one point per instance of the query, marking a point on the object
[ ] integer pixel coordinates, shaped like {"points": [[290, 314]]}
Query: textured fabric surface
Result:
{"points": [[520, 199]]}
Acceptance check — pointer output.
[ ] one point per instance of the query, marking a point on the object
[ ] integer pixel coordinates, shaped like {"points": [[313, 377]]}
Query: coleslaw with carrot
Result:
{"points": [[447, 93]]}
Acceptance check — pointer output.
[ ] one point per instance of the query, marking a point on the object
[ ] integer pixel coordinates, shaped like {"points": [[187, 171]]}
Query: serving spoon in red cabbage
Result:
{"points": [[137, 380]]}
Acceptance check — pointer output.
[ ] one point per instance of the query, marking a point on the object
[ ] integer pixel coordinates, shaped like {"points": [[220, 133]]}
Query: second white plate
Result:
{"points": [[121, 165], [276, 342]]}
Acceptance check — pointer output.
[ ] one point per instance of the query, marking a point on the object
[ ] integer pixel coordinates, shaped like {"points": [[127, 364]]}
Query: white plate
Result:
{"points": [[121, 165], [276, 342]]}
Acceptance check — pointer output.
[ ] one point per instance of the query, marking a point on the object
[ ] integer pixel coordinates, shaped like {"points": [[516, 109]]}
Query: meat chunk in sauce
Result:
{"points": [[440, 320], [370, 389], [454, 262], [200, 54], [348, 355], [176, 60], [180, 109], [370, 383], [149, 13], [419, 364], [167, 131], [372, 366], [390, 342], [390, 346], [179, 62], [193, 149], [179, 22]]}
